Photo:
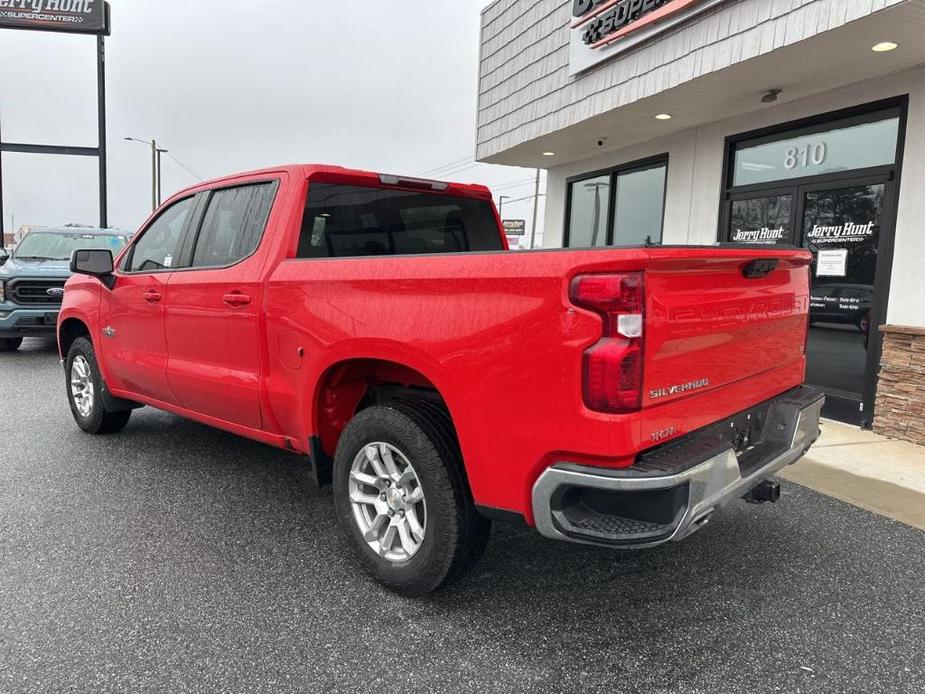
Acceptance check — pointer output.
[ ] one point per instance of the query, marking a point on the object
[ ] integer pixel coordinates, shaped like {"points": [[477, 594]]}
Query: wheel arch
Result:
{"points": [[69, 330], [349, 385]]}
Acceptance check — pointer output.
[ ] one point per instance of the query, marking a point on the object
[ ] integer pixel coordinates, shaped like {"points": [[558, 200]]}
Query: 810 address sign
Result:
{"points": [[809, 155]]}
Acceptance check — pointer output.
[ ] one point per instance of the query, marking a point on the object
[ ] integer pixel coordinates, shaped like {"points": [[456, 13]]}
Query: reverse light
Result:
{"points": [[613, 366], [630, 325]]}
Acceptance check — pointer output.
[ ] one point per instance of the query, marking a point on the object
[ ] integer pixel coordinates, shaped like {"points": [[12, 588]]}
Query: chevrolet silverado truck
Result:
{"points": [[378, 326], [32, 279]]}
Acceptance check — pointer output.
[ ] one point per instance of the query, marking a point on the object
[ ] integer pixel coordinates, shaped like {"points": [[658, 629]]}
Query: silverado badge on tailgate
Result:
{"points": [[680, 388]]}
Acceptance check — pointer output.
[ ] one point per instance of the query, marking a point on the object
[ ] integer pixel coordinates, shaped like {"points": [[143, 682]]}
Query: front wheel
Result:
{"points": [[402, 500], [10, 344], [85, 391]]}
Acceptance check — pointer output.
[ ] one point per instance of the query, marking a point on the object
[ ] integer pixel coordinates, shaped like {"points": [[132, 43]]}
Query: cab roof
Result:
{"points": [[337, 173]]}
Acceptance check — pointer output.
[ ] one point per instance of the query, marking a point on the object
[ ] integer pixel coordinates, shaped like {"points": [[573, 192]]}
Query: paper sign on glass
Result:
{"points": [[832, 263]]}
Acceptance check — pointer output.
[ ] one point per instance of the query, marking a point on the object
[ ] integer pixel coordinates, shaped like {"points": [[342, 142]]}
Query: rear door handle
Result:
{"points": [[151, 296], [236, 299]]}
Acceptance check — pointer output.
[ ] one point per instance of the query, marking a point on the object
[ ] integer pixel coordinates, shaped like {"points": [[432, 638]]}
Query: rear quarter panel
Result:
{"points": [[494, 332]]}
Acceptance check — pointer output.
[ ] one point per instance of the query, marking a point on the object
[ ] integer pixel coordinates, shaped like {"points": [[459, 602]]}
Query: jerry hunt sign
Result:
{"points": [[602, 29], [76, 16], [515, 227]]}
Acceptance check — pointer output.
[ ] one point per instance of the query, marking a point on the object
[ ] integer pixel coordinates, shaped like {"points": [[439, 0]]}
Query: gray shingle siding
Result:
{"points": [[525, 90]]}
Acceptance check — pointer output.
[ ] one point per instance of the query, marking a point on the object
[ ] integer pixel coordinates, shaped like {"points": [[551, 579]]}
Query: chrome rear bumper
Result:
{"points": [[672, 491]]}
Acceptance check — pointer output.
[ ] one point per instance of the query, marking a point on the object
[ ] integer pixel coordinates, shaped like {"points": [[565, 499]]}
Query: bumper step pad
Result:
{"points": [[672, 490]]}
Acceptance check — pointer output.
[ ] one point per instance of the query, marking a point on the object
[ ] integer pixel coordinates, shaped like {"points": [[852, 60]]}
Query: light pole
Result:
{"points": [[597, 208], [536, 203], [156, 153], [501, 199]]}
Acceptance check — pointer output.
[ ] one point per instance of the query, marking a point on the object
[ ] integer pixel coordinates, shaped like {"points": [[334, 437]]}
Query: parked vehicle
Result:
{"points": [[377, 325], [32, 279]]}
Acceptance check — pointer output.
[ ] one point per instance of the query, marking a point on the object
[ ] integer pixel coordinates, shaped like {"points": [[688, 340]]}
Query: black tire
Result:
{"points": [[10, 344], [455, 535], [478, 528], [98, 420]]}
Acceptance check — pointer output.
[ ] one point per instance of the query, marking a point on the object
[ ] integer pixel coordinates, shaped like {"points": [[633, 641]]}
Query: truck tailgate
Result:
{"points": [[709, 324]]}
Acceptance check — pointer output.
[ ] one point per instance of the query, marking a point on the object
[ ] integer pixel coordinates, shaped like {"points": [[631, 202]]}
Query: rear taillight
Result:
{"points": [[613, 365]]}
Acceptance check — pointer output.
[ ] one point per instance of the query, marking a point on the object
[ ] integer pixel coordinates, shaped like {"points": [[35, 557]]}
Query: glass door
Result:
{"points": [[841, 224], [765, 219], [828, 184]]}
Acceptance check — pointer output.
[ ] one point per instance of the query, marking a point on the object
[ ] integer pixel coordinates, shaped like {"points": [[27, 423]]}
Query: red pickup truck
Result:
{"points": [[378, 326]]}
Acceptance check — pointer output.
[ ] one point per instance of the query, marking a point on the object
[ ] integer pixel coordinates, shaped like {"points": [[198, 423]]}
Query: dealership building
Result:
{"points": [[766, 122]]}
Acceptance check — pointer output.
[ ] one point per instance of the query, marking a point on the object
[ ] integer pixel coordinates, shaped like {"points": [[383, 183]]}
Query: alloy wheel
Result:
{"points": [[82, 386], [387, 501]]}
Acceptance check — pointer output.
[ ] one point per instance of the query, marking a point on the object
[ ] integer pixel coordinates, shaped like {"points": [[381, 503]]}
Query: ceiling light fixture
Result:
{"points": [[663, 116], [884, 47], [549, 154]]}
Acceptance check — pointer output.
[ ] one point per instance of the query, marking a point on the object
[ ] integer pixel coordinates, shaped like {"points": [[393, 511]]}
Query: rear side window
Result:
{"points": [[342, 221], [159, 245], [233, 224]]}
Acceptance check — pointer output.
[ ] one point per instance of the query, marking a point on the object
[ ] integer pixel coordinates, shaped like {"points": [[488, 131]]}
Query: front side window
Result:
{"points": [[624, 207], [342, 221], [233, 224], [159, 245]]}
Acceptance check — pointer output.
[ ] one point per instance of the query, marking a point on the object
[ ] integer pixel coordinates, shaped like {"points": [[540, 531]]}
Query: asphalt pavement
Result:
{"points": [[177, 558]]}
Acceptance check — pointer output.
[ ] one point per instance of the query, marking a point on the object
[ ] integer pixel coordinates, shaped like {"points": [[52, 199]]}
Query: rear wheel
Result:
{"points": [[85, 389], [10, 344], [402, 500]]}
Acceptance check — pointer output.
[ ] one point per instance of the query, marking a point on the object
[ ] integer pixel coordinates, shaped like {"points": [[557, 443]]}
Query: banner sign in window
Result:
{"points": [[601, 29], [74, 16]]}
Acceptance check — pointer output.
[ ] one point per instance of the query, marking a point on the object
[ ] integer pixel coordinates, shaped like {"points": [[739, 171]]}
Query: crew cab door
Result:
{"points": [[213, 313], [132, 340]]}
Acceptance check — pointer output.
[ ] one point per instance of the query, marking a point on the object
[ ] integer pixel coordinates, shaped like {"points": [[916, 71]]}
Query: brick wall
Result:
{"points": [[900, 408]]}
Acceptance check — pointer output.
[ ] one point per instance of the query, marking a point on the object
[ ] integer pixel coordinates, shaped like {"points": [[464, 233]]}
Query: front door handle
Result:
{"points": [[152, 297], [236, 299]]}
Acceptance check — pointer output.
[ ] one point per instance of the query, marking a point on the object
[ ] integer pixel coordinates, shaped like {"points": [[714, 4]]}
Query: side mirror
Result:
{"points": [[96, 262], [4, 256]]}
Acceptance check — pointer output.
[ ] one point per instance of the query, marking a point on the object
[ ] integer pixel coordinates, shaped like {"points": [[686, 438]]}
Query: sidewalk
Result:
{"points": [[867, 470]]}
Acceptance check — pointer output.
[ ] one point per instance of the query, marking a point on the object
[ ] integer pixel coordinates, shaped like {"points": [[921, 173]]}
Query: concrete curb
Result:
{"points": [[867, 470]]}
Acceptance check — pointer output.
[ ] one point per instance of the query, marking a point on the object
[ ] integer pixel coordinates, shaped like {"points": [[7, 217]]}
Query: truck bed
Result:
{"points": [[497, 335]]}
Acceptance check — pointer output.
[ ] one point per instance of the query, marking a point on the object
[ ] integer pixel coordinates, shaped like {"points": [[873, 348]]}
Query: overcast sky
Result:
{"points": [[231, 85]]}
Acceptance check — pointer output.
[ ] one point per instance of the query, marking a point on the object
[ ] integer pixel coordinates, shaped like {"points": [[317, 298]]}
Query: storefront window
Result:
{"points": [[838, 149], [590, 211], [640, 204], [763, 220], [623, 207]]}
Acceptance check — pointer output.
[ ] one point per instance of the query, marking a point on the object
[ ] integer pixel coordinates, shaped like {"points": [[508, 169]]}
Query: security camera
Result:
{"points": [[601, 141]]}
